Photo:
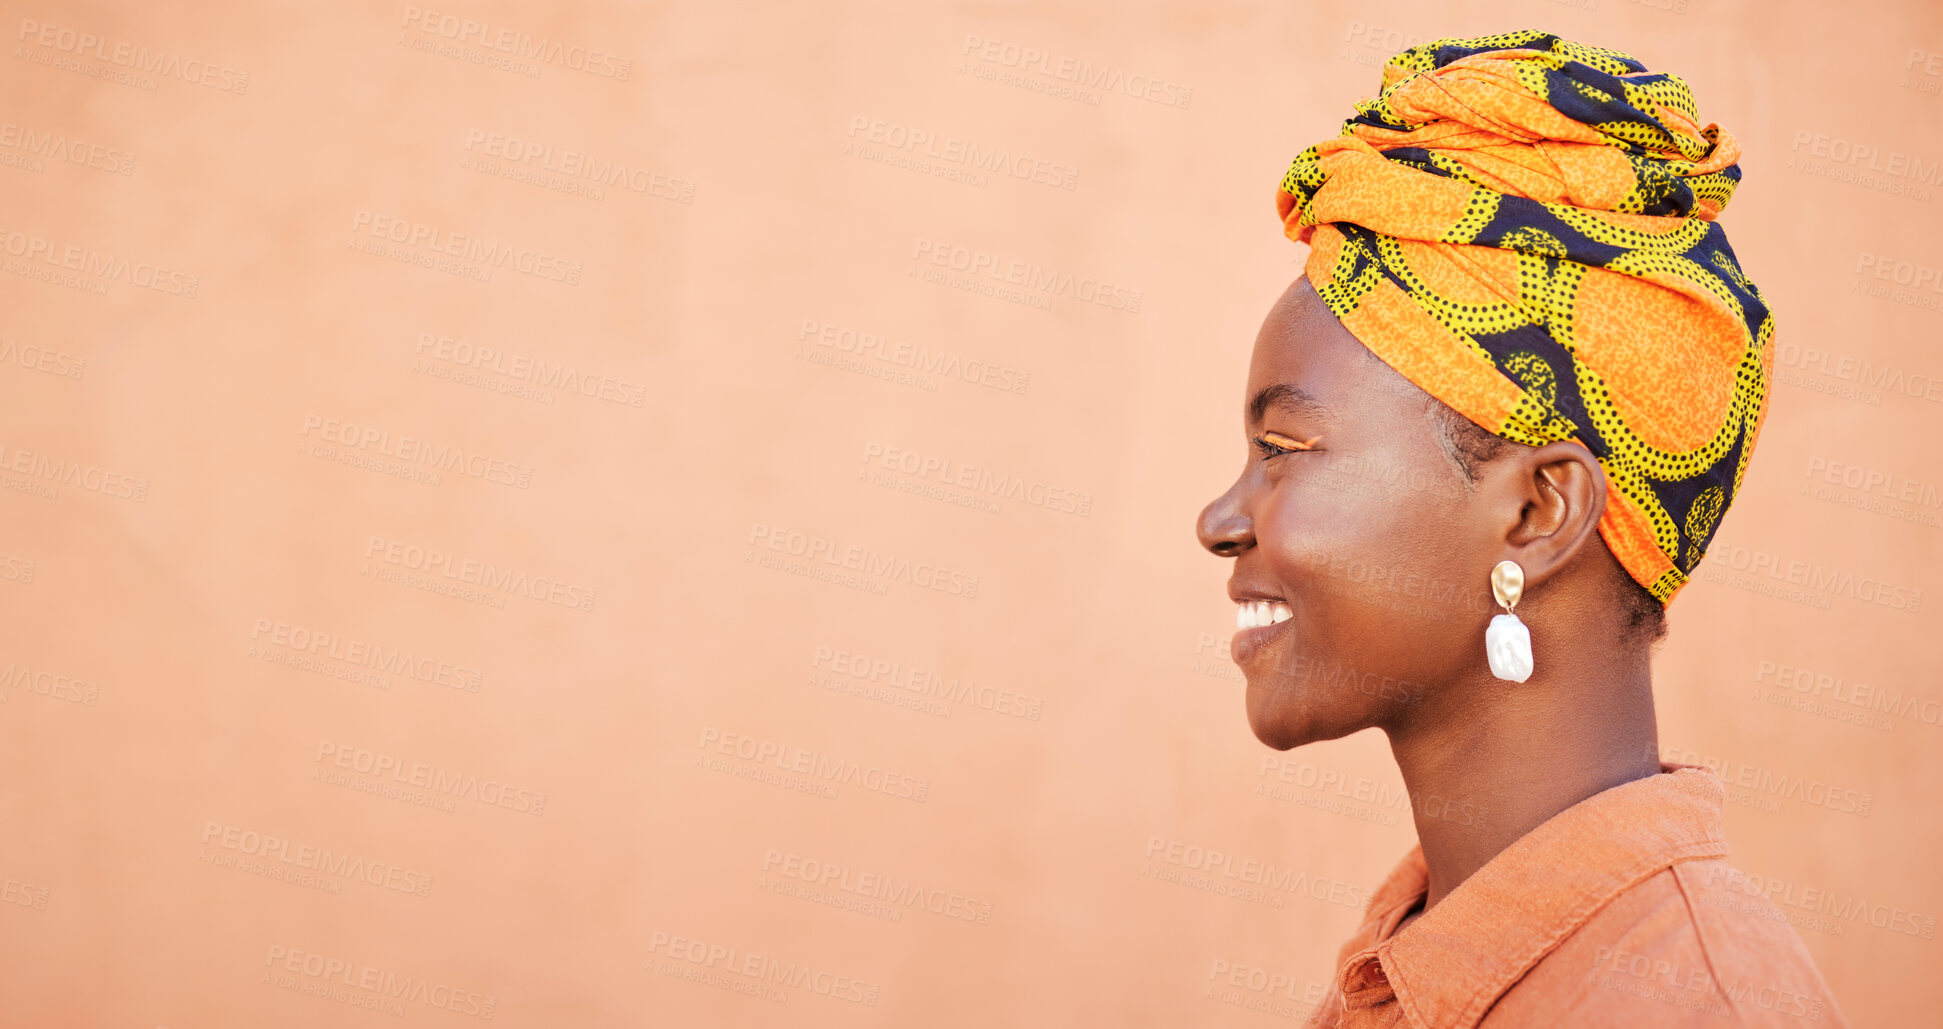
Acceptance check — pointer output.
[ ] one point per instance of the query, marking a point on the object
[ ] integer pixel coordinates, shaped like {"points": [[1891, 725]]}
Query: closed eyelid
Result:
{"points": [[1288, 442]]}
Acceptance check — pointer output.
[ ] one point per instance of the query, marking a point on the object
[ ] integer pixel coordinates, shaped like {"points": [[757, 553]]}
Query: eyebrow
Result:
{"points": [[1289, 397]]}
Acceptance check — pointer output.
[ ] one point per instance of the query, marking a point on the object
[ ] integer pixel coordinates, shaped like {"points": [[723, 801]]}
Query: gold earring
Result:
{"points": [[1507, 642]]}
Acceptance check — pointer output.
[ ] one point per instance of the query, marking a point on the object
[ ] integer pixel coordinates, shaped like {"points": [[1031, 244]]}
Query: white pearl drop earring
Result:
{"points": [[1507, 643]]}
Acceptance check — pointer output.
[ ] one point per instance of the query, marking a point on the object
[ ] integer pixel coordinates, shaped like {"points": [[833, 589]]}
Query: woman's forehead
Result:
{"points": [[1305, 361]]}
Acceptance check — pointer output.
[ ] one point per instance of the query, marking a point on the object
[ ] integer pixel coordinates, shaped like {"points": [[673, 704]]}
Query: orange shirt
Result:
{"points": [[1617, 911]]}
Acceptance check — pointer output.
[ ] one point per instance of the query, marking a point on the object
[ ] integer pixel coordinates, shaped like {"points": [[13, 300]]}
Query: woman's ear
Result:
{"points": [[1561, 492]]}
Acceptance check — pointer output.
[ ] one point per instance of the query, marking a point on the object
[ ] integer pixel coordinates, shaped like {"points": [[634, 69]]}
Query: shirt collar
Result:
{"points": [[1456, 959]]}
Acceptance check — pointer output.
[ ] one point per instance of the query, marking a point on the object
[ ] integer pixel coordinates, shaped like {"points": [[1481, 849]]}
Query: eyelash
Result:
{"points": [[1269, 449]]}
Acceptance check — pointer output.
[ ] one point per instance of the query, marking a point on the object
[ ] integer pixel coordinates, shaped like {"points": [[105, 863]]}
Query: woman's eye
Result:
{"points": [[1274, 444]]}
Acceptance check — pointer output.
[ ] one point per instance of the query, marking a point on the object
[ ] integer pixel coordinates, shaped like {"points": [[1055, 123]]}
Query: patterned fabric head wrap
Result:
{"points": [[1524, 227]]}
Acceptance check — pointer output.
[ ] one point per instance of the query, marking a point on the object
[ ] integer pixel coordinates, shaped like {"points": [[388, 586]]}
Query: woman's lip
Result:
{"points": [[1246, 643]]}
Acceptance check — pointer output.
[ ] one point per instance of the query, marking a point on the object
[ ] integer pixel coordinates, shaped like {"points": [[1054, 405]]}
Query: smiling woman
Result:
{"points": [[1522, 369]]}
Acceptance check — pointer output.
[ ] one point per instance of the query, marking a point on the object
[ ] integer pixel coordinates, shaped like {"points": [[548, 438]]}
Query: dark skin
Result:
{"points": [[1484, 760]]}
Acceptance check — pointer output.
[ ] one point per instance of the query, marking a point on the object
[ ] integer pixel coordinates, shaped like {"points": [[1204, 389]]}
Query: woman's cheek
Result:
{"points": [[1289, 529]]}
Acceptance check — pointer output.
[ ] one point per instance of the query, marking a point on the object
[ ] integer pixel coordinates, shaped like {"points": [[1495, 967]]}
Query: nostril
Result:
{"points": [[1223, 529], [1226, 537]]}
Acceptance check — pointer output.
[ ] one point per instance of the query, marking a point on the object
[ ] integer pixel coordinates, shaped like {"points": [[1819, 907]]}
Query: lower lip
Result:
{"points": [[1248, 642]]}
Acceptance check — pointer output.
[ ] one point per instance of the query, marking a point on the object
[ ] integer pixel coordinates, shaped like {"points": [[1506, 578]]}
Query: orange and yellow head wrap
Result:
{"points": [[1524, 227]]}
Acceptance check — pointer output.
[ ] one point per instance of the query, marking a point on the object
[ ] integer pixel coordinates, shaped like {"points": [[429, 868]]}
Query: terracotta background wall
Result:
{"points": [[506, 534]]}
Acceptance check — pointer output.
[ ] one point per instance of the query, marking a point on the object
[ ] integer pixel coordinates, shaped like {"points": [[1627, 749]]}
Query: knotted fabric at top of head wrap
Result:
{"points": [[1524, 227]]}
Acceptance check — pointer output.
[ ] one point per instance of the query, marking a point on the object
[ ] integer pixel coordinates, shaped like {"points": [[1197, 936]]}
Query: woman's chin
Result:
{"points": [[1275, 719], [1281, 720]]}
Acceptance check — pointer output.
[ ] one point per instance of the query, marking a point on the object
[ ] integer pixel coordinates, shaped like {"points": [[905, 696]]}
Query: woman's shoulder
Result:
{"points": [[1696, 943]]}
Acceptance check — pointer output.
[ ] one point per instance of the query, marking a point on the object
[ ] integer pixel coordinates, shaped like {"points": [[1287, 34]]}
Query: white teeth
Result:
{"points": [[1251, 614]]}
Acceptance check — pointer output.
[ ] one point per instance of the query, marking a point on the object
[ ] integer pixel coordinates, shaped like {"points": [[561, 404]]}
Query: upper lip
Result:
{"points": [[1242, 593]]}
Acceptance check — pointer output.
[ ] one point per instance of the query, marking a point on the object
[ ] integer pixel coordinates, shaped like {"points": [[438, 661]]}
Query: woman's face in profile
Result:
{"points": [[1363, 544]]}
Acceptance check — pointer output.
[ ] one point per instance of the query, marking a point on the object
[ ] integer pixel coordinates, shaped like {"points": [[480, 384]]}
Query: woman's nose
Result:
{"points": [[1224, 529]]}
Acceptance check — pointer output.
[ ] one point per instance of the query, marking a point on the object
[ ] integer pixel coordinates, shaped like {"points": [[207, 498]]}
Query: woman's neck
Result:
{"points": [[1487, 762]]}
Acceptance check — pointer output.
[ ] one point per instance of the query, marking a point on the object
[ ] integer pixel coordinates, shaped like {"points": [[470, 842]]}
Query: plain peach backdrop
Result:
{"points": [[598, 360]]}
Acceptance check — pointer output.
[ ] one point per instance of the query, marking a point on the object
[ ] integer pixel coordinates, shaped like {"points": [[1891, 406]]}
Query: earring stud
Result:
{"points": [[1507, 642]]}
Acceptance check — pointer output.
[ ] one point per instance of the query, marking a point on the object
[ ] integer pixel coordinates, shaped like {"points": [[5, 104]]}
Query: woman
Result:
{"points": [[1492, 429]]}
